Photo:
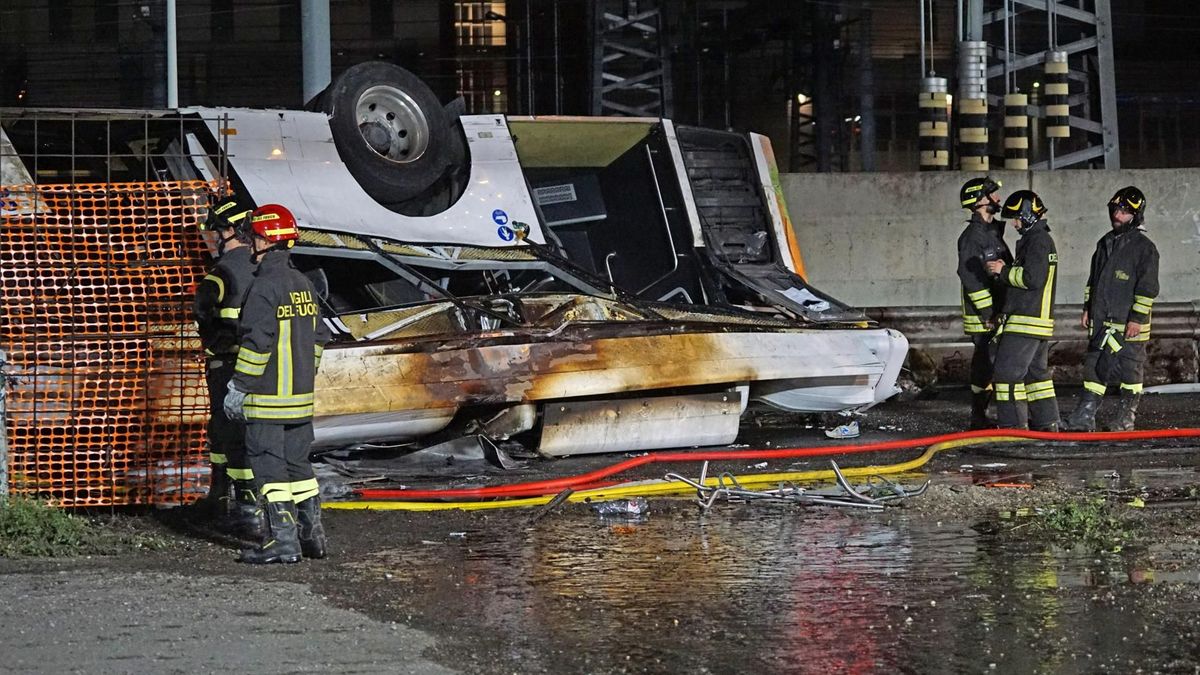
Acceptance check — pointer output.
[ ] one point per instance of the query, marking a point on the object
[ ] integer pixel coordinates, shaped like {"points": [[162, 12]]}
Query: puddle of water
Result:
{"points": [[775, 589]]}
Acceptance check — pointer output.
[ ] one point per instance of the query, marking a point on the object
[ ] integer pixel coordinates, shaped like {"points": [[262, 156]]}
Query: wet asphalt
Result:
{"points": [[946, 582]]}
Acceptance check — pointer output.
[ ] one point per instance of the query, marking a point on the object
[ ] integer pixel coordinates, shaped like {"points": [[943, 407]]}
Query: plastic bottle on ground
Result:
{"points": [[623, 508]]}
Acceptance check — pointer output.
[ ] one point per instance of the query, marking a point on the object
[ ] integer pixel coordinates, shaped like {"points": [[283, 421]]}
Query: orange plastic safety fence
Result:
{"points": [[96, 283]]}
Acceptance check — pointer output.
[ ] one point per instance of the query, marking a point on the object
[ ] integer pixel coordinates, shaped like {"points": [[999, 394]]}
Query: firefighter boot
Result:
{"points": [[1126, 411], [1012, 414], [979, 406], [1083, 418], [1043, 414], [215, 504], [312, 532], [247, 518], [282, 544]]}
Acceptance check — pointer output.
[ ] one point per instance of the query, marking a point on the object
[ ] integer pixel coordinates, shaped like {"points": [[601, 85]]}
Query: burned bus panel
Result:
{"points": [[551, 281]]}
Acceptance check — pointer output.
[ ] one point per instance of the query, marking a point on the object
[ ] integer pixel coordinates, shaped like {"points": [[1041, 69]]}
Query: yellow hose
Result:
{"points": [[658, 487]]}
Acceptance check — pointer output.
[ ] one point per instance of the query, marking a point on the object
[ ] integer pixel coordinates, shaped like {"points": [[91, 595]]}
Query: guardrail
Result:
{"points": [[942, 324]]}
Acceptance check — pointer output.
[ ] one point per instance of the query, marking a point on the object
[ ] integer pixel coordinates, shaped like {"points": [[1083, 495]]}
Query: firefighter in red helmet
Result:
{"points": [[282, 337]]}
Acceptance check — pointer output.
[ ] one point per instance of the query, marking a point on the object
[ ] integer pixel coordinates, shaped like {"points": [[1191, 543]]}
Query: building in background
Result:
{"points": [[846, 71]]}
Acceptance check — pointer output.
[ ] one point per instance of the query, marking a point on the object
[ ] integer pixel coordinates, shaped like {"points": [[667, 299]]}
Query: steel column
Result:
{"points": [[172, 58], [630, 76], [314, 28]]}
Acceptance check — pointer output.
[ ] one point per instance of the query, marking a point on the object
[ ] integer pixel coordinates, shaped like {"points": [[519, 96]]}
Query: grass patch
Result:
{"points": [[1093, 522], [29, 527]]}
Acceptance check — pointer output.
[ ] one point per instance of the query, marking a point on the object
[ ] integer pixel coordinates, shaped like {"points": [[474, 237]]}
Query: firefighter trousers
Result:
{"points": [[226, 437], [1111, 360], [981, 361], [1024, 389], [279, 457]]}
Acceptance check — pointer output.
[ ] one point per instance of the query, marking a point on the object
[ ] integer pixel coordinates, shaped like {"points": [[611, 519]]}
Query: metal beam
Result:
{"points": [[1060, 9], [172, 58], [638, 82], [1038, 58], [630, 76], [1086, 125], [1108, 87], [1091, 77], [1072, 158]]}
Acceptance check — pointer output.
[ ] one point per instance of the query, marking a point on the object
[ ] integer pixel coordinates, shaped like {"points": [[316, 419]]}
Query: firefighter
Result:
{"points": [[1117, 300], [282, 336], [218, 303], [1024, 389], [982, 293]]}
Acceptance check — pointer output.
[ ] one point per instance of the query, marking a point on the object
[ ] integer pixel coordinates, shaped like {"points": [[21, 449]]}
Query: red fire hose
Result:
{"points": [[592, 479]]}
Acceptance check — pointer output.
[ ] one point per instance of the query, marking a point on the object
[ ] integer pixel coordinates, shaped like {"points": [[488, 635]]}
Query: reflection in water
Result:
{"points": [[765, 589]]}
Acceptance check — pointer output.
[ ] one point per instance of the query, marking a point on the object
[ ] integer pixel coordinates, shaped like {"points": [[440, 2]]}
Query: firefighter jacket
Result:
{"points": [[282, 336], [219, 299], [1123, 282], [1029, 301], [982, 294]]}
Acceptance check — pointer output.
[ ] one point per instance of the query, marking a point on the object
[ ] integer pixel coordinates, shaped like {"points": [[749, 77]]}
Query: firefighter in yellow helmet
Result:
{"points": [[1121, 288], [217, 307], [1025, 395], [282, 337], [981, 240]]}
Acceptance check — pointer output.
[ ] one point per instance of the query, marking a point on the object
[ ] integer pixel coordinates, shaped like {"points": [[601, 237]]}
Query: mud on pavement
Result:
{"points": [[964, 578]]}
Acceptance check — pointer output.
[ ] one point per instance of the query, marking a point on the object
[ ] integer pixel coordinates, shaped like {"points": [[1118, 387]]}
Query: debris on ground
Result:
{"points": [[624, 509], [842, 431], [878, 491]]}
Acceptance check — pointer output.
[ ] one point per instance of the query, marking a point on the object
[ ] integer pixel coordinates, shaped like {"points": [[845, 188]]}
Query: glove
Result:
{"points": [[235, 399]]}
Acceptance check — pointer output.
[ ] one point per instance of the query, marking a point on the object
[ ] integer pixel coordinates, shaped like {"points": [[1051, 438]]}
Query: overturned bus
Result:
{"points": [[580, 285]]}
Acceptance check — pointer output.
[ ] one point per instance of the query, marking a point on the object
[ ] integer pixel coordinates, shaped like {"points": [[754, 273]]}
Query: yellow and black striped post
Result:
{"points": [[1054, 94], [972, 134], [1016, 131], [972, 106], [934, 131]]}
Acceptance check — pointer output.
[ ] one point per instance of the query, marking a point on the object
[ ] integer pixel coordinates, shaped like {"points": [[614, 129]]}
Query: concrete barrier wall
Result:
{"points": [[889, 239]]}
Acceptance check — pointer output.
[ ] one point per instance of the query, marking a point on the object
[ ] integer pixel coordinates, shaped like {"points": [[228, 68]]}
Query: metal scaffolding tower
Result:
{"points": [[630, 75], [1086, 30], [833, 81]]}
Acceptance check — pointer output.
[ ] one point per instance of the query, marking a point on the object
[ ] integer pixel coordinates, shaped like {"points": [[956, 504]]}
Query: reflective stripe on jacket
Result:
{"points": [[282, 335], [1122, 282], [219, 299], [1029, 304], [982, 294]]}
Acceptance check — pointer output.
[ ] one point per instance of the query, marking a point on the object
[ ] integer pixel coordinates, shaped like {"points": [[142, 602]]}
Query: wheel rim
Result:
{"points": [[392, 124]]}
